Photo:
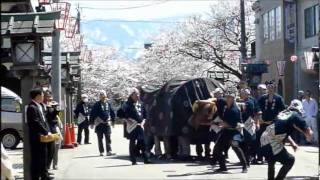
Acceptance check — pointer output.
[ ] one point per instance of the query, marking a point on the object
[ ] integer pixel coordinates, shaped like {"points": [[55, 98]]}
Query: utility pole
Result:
{"points": [[243, 48], [79, 92], [56, 67]]}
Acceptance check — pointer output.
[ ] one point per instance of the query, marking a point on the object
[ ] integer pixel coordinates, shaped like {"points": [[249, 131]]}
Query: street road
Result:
{"points": [[84, 162]]}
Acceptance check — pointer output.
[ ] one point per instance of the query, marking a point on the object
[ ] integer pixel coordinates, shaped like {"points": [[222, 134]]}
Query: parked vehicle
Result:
{"points": [[11, 119]]}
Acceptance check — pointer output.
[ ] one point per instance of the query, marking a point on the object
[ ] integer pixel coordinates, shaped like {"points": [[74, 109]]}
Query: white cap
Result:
{"points": [[84, 96], [296, 104], [133, 90], [102, 93], [246, 91], [262, 86], [218, 90]]}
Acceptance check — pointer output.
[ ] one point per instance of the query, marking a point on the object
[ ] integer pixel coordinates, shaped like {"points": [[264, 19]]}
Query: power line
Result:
{"points": [[134, 21], [126, 8]]}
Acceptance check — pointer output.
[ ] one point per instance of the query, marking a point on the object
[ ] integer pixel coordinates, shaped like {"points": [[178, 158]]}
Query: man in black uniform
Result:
{"points": [[249, 132], [37, 126], [82, 114], [135, 120], [230, 135], [100, 117], [270, 105], [274, 137]]}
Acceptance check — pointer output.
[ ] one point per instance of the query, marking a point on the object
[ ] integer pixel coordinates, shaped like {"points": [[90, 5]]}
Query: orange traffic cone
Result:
{"points": [[73, 135], [67, 138]]}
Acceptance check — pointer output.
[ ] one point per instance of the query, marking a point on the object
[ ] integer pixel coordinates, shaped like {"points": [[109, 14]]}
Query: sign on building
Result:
{"points": [[290, 21]]}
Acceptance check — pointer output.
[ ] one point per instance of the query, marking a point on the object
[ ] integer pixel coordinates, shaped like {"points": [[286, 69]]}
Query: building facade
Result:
{"points": [[286, 32]]}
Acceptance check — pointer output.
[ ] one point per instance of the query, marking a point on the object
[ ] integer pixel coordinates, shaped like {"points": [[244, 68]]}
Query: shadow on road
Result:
{"points": [[91, 156], [154, 160], [197, 174], [114, 166], [119, 157], [302, 178], [210, 171]]}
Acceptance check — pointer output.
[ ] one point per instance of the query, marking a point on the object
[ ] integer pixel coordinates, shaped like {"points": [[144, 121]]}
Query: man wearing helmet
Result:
{"points": [[273, 139], [82, 114]]}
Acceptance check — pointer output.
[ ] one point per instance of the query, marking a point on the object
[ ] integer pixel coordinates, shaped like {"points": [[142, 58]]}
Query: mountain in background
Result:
{"points": [[126, 36]]}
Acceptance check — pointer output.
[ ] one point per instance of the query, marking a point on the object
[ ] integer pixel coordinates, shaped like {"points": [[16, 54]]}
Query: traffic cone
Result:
{"points": [[67, 138], [73, 135]]}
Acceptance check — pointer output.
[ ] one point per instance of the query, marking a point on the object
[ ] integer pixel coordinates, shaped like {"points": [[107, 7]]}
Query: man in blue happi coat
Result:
{"points": [[270, 105], [102, 117], [229, 134], [249, 131], [274, 137], [134, 116], [82, 114]]}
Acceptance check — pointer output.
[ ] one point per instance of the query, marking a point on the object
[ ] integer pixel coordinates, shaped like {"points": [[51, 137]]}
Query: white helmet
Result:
{"points": [[218, 90], [84, 96], [296, 105]]}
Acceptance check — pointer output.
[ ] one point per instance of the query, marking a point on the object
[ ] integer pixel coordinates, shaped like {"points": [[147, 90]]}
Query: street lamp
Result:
{"points": [[44, 2], [70, 27], [26, 52], [74, 70], [64, 7], [311, 58], [77, 42], [293, 58]]}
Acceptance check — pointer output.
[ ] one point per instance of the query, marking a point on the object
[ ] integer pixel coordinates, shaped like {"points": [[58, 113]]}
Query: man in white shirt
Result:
{"points": [[310, 107]]}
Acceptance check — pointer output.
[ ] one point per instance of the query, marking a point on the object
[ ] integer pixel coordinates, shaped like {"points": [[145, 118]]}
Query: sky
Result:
{"points": [[141, 10], [127, 25]]}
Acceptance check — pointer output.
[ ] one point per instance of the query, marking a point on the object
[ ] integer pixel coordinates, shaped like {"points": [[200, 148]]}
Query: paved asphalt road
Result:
{"points": [[84, 162]]}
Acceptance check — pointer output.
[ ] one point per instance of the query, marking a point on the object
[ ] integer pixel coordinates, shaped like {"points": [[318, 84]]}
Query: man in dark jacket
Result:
{"points": [[249, 132], [230, 114], [102, 117], [134, 117], [82, 114], [274, 137], [38, 126], [270, 105]]}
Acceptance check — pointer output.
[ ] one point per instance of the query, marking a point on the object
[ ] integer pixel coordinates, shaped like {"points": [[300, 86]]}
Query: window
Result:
{"points": [[278, 22], [272, 22], [8, 105], [310, 21], [272, 27], [265, 27]]}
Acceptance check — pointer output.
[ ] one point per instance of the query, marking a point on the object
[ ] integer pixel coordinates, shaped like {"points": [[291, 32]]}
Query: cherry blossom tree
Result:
{"points": [[215, 39]]}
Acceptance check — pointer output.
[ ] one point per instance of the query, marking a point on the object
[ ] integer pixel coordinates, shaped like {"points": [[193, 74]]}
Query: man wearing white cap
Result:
{"points": [[82, 114], [229, 135], [218, 93], [102, 117], [262, 90], [276, 134], [135, 117]]}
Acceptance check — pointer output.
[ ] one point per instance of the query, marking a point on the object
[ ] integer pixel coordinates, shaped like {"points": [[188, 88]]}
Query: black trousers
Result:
{"points": [[224, 141], [287, 161], [50, 153], [248, 146], [199, 149], [104, 130], [136, 145], [39, 156], [84, 126], [257, 149]]}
